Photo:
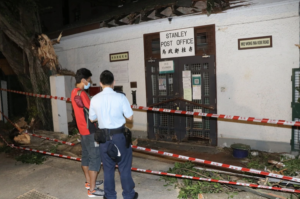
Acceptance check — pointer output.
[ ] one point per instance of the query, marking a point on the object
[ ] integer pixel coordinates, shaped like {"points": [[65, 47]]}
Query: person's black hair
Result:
{"points": [[106, 77], [82, 73]]}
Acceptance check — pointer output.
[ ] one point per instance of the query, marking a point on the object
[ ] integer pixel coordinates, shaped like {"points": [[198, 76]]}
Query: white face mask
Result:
{"points": [[87, 86]]}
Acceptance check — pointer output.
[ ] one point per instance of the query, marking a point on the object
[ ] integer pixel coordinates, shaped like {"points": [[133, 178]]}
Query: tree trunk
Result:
{"points": [[14, 42]]}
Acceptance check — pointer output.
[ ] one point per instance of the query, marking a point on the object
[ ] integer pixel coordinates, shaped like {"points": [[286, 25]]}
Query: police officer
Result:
{"points": [[108, 107]]}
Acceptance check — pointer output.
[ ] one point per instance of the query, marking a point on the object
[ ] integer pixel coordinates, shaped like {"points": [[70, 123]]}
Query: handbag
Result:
{"points": [[89, 125]]}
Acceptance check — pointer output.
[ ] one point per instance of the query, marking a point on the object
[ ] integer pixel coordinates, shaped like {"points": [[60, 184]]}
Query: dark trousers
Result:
{"points": [[124, 169]]}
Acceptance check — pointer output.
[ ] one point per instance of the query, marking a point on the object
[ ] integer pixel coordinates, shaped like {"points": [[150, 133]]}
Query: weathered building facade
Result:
{"points": [[252, 82]]}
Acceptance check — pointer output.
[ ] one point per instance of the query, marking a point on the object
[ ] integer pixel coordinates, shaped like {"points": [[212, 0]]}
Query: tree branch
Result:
{"points": [[12, 28]]}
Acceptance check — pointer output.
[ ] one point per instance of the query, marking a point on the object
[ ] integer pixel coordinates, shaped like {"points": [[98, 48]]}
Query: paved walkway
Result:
{"points": [[64, 179]]}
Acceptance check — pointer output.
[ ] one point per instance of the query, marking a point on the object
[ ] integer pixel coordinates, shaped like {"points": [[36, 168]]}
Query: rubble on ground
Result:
{"points": [[287, 165], [22, 139], [56, 147], [283, 164]]}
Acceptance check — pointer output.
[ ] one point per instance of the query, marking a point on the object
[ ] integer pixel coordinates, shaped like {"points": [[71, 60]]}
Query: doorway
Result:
{"points": [[166, 90], [176, 127]]}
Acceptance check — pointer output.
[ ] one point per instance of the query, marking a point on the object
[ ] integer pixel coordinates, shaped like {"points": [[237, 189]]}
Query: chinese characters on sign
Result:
{"points": [[119, 56], [257, 42], [177, 43]]}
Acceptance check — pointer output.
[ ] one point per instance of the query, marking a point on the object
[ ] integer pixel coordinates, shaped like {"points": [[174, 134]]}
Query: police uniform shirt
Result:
{"points": [[109, 107]]}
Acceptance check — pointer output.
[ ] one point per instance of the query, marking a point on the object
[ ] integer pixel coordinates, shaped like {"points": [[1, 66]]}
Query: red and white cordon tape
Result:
{"points": [[282, 122], [47, 153], [222, 116], [37, 95], [4, 140], [167, 174], [19, 129], [213, 115], [274, 175], [39, 151], [50, 139], [217, 181]]}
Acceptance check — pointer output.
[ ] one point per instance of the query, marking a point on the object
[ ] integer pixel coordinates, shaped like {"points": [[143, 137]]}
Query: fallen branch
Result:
{"points": [[276, 163], [226, 172]]}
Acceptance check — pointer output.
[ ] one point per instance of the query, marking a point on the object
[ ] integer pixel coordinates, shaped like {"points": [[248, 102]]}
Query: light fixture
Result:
{"points": [[170, 20]]}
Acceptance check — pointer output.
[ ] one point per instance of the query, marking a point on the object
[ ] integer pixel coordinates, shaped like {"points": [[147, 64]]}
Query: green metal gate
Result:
{"points": [[295, 142]]}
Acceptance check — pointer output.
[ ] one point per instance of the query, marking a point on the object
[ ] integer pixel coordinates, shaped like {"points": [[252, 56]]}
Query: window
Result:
{"points": [[155, 46], [201, 41], [205, 40], [152, 46]]}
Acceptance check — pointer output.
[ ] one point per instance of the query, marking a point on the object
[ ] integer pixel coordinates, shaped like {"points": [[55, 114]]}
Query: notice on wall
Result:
{"points": [[198, 118], [196, 79], [186, 74], [187, 87], [187, 94], [162, 83], [186, 79], [186, 82], [166, 67], [120, 72], [177, 43]]}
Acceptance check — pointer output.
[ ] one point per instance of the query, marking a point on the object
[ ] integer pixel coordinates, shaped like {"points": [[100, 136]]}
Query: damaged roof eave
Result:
{"points": [[235, 6], [156, 13]]}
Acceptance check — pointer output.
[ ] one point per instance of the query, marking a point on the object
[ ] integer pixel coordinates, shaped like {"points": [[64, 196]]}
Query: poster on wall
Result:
{"points": [[187, 94], [162, 83], [186, 82], [177, 43], [196, 79]]}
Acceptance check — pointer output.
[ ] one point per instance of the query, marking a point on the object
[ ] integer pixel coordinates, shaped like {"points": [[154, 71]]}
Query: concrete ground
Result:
{"points": [[64, 179]]}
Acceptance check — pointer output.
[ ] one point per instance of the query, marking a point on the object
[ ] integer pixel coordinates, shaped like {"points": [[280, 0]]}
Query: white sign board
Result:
{"points": [[166, 67], [177, 43]]}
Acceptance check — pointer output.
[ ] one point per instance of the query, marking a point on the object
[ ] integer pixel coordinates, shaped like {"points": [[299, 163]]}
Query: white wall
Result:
{"points": [[257, 81]]}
